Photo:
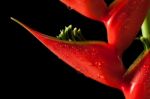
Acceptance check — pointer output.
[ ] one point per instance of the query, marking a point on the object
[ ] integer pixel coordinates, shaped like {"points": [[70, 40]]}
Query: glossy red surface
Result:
{"points": [[139, 86], [95, 59], [94, 9], [124, 21], [101, 61]]}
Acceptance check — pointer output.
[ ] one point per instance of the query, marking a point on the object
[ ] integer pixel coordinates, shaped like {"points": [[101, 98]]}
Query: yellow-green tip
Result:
{"points": [[21, 24]]}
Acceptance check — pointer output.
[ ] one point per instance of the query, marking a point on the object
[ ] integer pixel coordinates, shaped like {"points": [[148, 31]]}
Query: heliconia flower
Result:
{"points": [[95, 59], [137, 80], [99, 60], [122, 18]]}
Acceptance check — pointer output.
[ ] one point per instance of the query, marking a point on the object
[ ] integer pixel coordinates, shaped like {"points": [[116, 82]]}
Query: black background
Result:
{"points": [[34, 70]]}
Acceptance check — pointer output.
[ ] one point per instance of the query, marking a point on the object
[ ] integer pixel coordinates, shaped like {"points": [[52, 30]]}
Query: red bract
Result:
{"points": [[138, 87], [94, 9], [97, 60], [122, 19], [100, 60]]}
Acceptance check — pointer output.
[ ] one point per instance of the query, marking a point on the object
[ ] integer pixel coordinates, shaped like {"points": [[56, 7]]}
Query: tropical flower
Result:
{"points": [[102, 61]]}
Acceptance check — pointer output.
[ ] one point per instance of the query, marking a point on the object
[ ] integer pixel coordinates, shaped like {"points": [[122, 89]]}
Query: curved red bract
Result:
{"points": [[95, 59], [138, 87], [94, 9], [124, 21], [102, 61]]}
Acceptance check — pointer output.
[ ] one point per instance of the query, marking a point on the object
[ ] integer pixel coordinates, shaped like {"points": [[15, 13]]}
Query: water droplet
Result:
{"points": [[100, 76], [98, 63], [69, 8], [146, 70]]}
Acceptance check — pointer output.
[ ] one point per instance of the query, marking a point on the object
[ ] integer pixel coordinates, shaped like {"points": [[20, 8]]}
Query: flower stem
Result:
{"points": [[146, 32]]}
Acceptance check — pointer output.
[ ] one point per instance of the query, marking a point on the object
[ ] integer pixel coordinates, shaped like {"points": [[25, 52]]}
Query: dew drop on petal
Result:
{"points": [[100, 76]]}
